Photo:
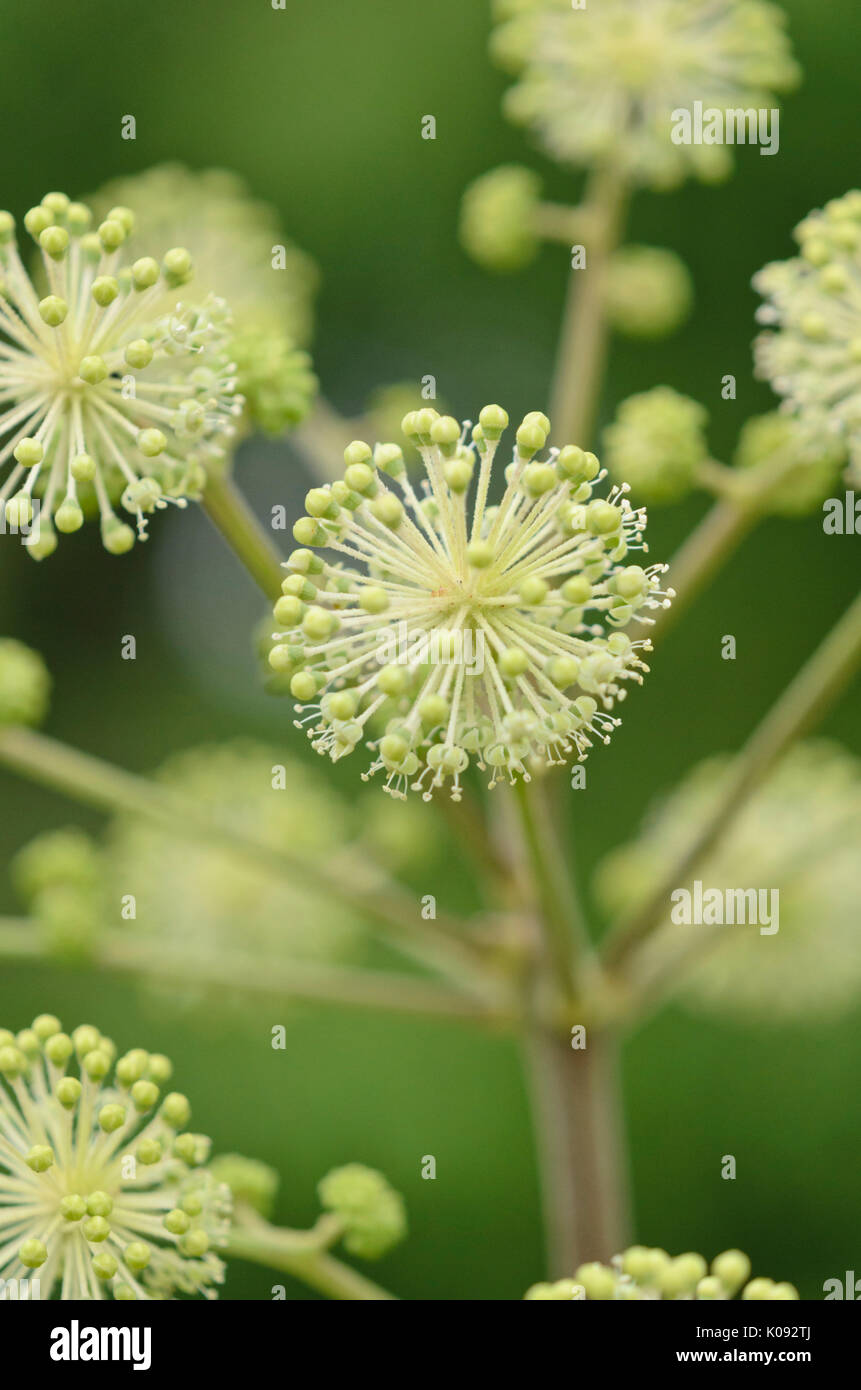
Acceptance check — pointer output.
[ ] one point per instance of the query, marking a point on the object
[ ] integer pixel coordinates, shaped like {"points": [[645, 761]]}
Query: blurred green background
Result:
{"points": [[319, 107]]}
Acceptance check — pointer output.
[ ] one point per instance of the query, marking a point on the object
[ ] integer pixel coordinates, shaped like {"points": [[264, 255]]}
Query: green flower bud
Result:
{"points": [[372, 1212], [656, 444], [24, 684], [499, 218], [648, 291]]}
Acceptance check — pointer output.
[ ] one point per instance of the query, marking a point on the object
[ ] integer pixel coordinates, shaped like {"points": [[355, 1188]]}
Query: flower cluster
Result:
{"points": [[227, 905], [104, 1192], [599, 84], [812, 353], [649, 291], [498, 220], [644, 1273], [372, 1213], [110, 381], [242, 253], [490, 633], [799, 833], [808, 463], [656, 442], [25, 684]]}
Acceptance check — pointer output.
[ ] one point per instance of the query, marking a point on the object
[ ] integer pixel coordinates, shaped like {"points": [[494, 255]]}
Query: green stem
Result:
{"points": [[582, 350], [20, 940], [801, 705], [302, 1255], [563, 929], [231, 515], [358, 886]]}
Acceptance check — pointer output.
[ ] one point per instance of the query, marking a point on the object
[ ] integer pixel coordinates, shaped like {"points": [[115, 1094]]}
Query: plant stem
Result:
{"points": [[358, 886], [582, 347], [234, 972], [301, 1255], [231, 515], [801, 705], [721, 531], [576, 1109], [557, 909]]}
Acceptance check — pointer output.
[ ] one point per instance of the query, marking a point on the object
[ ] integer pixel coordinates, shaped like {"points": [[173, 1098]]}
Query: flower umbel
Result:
{"points": [[651, 1274], [813, 304], [105, 382], [452, 633], [598, 85], [241, 252], [71, 1215]]}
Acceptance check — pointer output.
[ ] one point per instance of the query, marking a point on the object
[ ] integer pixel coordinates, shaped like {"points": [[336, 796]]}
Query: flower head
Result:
{"points": [[242, 253], [452, 633], [25, 684], [814, 460], [498, 221], [373, 1213], [600, 84], [105, 1191], [649, 291], [812, 351], [651, 1274], [112, 379], [656, 442], [799, 834]]}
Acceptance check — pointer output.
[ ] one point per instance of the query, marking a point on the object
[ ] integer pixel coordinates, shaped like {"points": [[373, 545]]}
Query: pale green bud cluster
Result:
{"points": [[242, 253], [61, 877], [642, 1273], [798, 834], [812, 352], [814, 461], [116, 386], [598, 85], [229, 906], [25, 684], [498, 218], [104, 1192], [251, 1182], [468, 630], [656, 443], [373, 1214], [275, 377], [648, 291]]}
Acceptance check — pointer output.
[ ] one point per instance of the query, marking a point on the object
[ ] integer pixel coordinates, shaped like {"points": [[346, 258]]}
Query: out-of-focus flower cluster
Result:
{"points": [[240, 251], [811, 351], [598, 85], [644, 1273], [799, 834]]}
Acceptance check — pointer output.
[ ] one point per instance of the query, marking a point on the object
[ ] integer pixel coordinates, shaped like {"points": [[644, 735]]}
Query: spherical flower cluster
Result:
{"points": [[25, 684], [75, 888], [242, 253], [812, 353], [61, 876], [373, 1213], [641, 1273], [648, 291], [104, 1192], [799, 834], [599, 84], [498, 218], [489, 633], [813, 459], [656, 442], [111, 379]]}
